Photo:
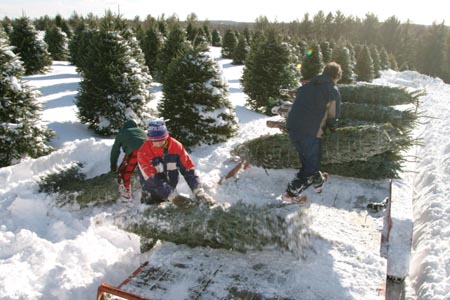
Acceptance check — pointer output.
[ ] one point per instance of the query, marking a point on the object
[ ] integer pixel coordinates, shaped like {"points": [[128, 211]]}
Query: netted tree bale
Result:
{"points": [[239, 227], [380, 166], [343, 145], [404, 119], [378, 94]]}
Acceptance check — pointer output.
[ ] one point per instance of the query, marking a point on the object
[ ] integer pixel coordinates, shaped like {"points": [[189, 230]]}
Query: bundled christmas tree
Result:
{"points": [[239, 227], [196, 101], [353, 143], [21, 132], [378, 94]]}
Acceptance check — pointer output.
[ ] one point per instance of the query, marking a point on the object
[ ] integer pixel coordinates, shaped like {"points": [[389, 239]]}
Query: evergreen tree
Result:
{"points": [[115, 83], [326, 50], [385, 63], [240, 52], [376, 60], [196, 100], [393, 62], [32, 50], [61, 23], [216, 39], [341, 55], [152, 45], [268, 68], [21, 132], [81, 41], [175, 44], [433, 57], [56, 40], [229, 43], [207, 33], [364, 65], [312, 62]]}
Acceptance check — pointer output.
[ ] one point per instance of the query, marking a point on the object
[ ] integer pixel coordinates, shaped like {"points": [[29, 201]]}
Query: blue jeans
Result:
{"points": [[309, 149]]}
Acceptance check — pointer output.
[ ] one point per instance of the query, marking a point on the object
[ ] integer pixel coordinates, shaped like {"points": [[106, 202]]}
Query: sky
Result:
{"points": [[242, 11], [65, 253]]}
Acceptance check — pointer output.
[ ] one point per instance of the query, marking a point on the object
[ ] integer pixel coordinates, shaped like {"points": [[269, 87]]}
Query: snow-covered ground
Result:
{"points": [[48, 252]]}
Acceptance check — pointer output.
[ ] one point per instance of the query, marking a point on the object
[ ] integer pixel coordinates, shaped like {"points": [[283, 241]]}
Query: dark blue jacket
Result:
{"points": [[316, 104]]}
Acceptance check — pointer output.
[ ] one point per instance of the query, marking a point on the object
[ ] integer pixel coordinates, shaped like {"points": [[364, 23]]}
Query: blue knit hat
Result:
{"points": [[157, 131]]}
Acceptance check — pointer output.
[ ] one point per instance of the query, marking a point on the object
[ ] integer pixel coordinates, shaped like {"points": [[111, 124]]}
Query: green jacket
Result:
{"points": [[129, 138]]}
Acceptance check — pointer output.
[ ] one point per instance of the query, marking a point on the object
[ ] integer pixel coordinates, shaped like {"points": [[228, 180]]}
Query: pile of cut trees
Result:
{"points": [[374, 128]]}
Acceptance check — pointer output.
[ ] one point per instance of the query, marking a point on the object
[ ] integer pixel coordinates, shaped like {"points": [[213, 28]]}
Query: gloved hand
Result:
{"points": [[203, 197]]}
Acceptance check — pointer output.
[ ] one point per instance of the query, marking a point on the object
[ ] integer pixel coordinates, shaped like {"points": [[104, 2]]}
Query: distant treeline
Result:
{"points": [[415, 47]]}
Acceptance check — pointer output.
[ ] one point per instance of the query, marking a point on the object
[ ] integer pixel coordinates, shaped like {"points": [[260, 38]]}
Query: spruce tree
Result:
{"points": [[195, 100], [216, 38], [312, 63], [175, 44], [32, 50], [229, 43], [385, 63], [341, 55], [376, 60], [21, 132], [152, 45], [56, 40], [115, 83], [364, 65], [326, 50], [240, 52], [269, 67]]}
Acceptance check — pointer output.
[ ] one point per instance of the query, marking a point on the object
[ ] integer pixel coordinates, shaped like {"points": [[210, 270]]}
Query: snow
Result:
{"points": [[49, 252]]}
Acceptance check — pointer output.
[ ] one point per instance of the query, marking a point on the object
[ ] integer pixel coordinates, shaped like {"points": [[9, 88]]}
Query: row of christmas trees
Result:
{"points": [[117, 71]]}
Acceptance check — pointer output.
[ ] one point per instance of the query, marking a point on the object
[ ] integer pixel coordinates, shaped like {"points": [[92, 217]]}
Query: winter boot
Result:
{"points": [[318, 180]]}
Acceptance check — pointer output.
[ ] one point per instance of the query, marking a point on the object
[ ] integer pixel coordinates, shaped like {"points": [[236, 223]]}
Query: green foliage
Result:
{"points": [[353, 143], [312, 63], [56, 40], [269, 67], [71, 187], [240, 227], [175, 44], [376, 60], [196, 101], [229, 43], [21, 132], [364, 68], [326, 50], [32, 51], [115, 83], [403, 119], [385, 62], [151, 46], [240, 52], [378, 94], [342, 56], [216, 38]]}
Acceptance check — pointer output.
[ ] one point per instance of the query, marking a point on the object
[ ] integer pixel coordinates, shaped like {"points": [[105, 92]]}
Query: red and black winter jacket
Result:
{"points": [[159, 168]]}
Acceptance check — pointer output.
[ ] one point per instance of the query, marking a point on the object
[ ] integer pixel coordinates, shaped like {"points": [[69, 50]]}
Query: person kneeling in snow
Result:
{"points": [[160, 159], [129, 139]]}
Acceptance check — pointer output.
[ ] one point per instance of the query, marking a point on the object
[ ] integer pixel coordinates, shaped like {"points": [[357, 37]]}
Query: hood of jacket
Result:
{"points": [[130, 123]]}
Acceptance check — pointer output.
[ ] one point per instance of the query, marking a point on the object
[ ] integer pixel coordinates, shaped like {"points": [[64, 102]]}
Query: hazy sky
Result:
{"points": [[419, 12]]}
